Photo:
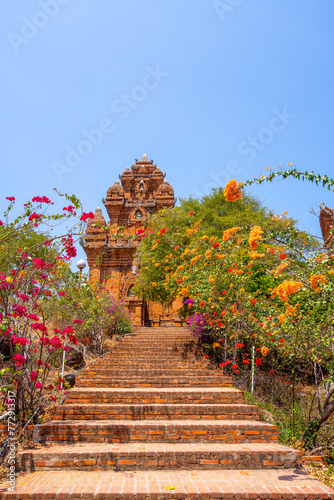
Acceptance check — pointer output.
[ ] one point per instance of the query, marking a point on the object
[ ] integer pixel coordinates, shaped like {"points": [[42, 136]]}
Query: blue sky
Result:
{"points": [[210, 90]]}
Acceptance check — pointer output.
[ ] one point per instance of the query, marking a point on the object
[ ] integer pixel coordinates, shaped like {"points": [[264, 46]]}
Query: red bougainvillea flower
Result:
{"points": [[34, 317], [162, 231], [34, 216], [258, 362], [53, 398], [39, 263], [23, 297], [202, 303], [283, 256], [228, 362], [271, 371], [206, 356], [87, 215], [19, 340], [253, 302], [19, 360], [39, 326], [245, 361], [19, 310], [68, 329], [39, 385], [62, 294], [33, 376], [76, 321], [1, 223], [222, 365], [191, 213], [239, 345], [70, 208], [41, 199], [235, 367], [10, 198], [56, 343]]}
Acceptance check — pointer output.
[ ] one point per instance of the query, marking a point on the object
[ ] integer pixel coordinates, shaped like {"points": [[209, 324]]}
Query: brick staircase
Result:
{"points": [[151, 420]]}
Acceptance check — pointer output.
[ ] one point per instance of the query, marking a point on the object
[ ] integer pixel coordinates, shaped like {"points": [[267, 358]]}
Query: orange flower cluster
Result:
{"points": [[316, 280], [287, 288], [227, 235], [278, 271], [254, 236], [232, 191]]}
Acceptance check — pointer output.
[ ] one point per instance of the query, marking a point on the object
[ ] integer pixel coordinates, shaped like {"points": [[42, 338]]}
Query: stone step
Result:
{"points": [[161, 431], [163, 484], [153, 395], [180, 381], [156, 412], [145, 456]]}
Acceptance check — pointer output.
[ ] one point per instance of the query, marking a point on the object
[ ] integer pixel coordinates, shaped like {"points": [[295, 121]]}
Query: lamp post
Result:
{"points": [[81, 264]]}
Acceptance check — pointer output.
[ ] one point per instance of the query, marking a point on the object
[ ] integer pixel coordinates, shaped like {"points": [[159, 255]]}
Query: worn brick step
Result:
{"points": [[152, 395], [144, 456], [97, 372], [156, 411], [162, 431], [138, 357], [148, 364], [180, 381], [156, 485]]}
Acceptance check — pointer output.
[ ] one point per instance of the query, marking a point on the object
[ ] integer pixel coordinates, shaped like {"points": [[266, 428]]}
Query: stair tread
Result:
{"points": [[128, 448], [167, 423], [154, 389], [221, 484]]}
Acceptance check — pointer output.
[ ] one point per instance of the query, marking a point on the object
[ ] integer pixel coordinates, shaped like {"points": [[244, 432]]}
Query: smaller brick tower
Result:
{"points": [[110, 247]]}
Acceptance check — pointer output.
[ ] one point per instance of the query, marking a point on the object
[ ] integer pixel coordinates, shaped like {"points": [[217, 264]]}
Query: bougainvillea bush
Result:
{"points": [[257, 285], [35, 279], [95, 312]]}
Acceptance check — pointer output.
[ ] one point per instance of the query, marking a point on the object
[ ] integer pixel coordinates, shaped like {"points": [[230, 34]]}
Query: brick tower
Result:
{"points": [[110, 247]]}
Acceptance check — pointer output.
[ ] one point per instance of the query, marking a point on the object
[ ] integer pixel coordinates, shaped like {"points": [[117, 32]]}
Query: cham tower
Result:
{"points": [[110, 246]]}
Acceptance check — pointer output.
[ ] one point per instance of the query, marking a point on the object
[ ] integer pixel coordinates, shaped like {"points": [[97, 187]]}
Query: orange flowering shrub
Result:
{"points": [[317, 279], [287, 288], [254, 236], [227, 235], [232, 191]]}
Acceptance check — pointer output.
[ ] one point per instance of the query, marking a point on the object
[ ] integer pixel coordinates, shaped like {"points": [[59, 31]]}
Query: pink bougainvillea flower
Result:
{"points": [[39, 385], [33, 376]]}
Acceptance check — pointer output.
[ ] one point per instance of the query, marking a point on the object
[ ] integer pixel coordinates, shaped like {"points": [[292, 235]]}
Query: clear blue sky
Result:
{"points": [[195, 84]]}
